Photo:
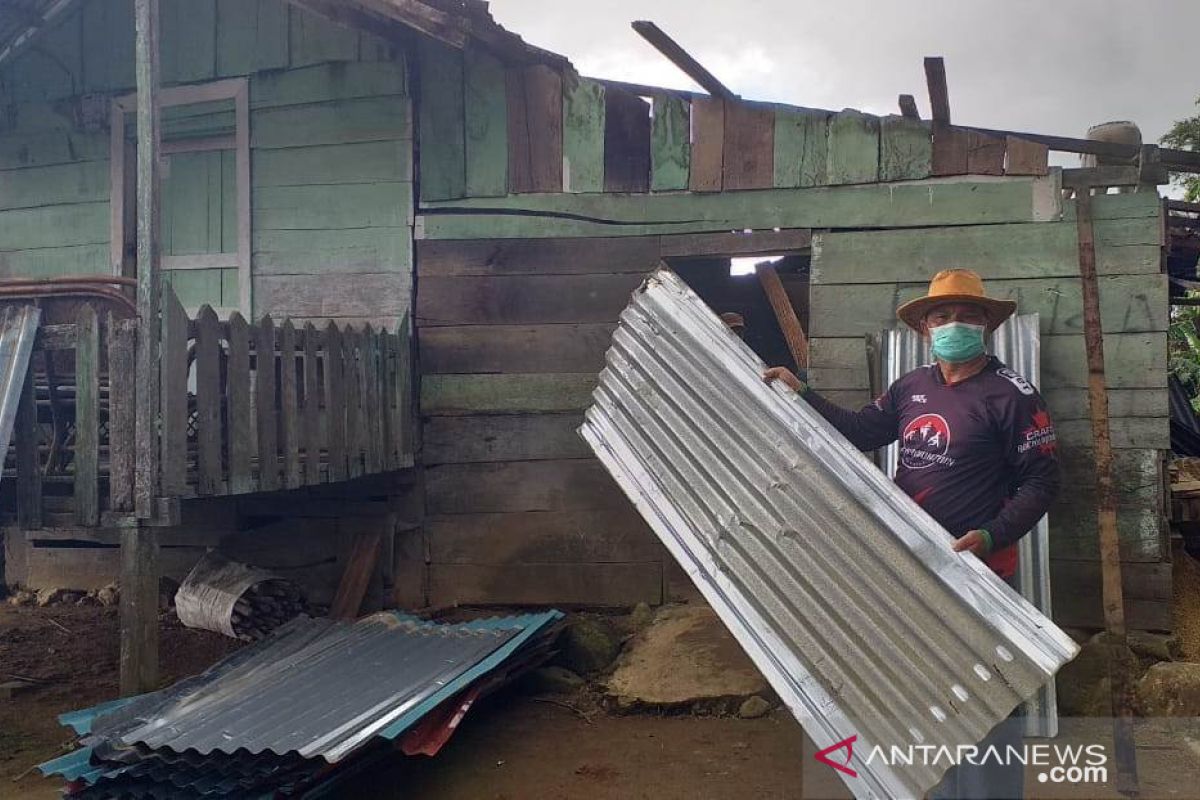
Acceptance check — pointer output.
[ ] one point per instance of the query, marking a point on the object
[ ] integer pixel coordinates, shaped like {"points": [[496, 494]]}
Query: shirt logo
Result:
{"points": [[1039, 434], [919, 398], [925, 442], [1016, 380]]}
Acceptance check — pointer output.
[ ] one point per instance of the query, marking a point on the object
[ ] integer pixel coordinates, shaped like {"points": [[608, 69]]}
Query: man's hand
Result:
{"points": [[977, 542], [785, 375]]}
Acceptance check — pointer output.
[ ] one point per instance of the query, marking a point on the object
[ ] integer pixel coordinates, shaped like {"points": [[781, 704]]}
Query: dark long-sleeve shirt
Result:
{"points": [[979, 454]]}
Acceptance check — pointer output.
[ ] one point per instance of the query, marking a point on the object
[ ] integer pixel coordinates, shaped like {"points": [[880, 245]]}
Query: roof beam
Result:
{"points": [[908, 107], [682, 59], [939, 94]]}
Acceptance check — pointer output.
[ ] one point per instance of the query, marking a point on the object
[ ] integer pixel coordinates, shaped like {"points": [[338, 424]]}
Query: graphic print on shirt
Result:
{"points": [[925, 442], [1039, 434]]}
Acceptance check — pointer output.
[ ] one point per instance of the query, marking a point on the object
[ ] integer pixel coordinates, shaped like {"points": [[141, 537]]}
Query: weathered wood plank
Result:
{"points": [[384, 205], [241, 438], [708, 145], [583, 135], [310, 428], [388, 378], [443, 146], [122, 452], [1041, 250], [557, 485], [323, 83], [486, 124], [364, 555], [208, 403], [265, 405], [670, 144], [314, 296], [985, 154], [364, 119], [749, 147], [616, 534], [87, 416], [520, 153], [405, 369], [506, 394], [524, 299], [1072, 403], [626, 142], [372, 410], [544, 107], [1134, 432], [1025, 157], [736, 243], [905, 149], [252, 36], [189, 30], [26, 438], [504, 437], [289, 422], [801, 148], [1147, 592], [352, 375], [551, 348], [1129, 304], [907, 205], [327, 165], [950, 147], [174, 400], [337, 251], [541, 256], [335, 401], [853, 148], [312, 40], [590, 585]]}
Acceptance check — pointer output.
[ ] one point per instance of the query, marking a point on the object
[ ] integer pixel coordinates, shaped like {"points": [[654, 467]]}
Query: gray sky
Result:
{"points": [[1048, 66]]}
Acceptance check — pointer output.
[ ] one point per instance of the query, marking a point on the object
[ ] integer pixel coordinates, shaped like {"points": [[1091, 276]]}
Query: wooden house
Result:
{"points": [[413, 167]]}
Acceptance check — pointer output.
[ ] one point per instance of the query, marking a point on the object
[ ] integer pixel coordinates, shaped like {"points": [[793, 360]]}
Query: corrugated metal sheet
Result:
{"points": [[841, 589], [1018, 344], [18, 327]]}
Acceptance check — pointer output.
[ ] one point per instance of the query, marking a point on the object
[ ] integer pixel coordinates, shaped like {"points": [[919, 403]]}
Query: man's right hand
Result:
{"points": [[787, 377]]}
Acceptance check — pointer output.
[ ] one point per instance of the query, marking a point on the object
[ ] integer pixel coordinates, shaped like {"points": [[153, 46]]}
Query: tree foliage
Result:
{"points": [[1185, 135], [1183, 338]]}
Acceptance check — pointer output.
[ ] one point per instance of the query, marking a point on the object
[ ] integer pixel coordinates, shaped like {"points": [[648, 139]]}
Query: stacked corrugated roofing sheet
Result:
{"points": [[317, 698], [843, 591]]}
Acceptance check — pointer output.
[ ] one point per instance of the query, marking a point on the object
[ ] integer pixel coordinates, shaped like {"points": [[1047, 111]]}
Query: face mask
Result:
{"points": [[957, 341]]}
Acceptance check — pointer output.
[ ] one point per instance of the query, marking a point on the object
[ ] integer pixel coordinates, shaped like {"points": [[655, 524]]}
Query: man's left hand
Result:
{"points": [[972, 541]]}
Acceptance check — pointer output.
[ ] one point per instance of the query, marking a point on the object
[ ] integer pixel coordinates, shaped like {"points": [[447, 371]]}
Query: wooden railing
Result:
{"points": [[244, 408]]}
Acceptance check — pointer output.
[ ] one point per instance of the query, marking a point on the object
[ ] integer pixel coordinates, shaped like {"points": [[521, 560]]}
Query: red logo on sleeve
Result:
{"points": [[1039, 434]]}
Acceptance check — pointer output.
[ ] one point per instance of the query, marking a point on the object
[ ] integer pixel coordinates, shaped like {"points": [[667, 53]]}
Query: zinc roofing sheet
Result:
{"points": [[843, 591]]}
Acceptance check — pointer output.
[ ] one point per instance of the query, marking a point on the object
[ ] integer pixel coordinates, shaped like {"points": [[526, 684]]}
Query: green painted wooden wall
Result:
{"points": [[331, 161]]}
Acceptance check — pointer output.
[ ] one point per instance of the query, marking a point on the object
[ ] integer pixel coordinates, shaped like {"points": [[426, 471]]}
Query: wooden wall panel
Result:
{"points": [[583, 135], [442, 142], [486, 124], [670, 144], [524, 299], [535, 132], [749, 143], [708, 144], [801, 142]]}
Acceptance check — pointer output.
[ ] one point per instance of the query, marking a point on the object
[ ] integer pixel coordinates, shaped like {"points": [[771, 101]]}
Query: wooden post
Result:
{"points": [[87, 417], [29, 467], [789, 323], [1110, 550], [122, 416], [139, 545]]}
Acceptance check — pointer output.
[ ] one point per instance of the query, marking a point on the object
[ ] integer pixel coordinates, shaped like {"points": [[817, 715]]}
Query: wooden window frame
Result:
{"points": [[235, 89]]}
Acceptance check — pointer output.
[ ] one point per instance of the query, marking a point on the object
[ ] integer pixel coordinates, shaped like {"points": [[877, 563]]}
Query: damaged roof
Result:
{"points": [[844, 592]]}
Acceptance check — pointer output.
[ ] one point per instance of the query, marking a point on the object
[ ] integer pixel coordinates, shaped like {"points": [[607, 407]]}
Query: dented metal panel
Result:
{"points": [[845, 593]]}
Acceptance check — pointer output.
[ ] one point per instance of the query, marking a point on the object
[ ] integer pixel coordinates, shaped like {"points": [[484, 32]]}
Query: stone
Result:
{"points": [[1156, 646], [553, 680], [1083, 684], [47, 597], [1170, 689], [22, 597], [587, 646], [686, 659], [69, 598], [641, 616], [753, 708], [108, 596]]}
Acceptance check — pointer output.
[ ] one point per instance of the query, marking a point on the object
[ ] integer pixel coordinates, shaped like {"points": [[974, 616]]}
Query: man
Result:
{"points": [[977, 451]]}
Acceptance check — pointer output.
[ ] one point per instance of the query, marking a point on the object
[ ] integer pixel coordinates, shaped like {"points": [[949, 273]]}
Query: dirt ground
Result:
{"points": [[511, 747]]}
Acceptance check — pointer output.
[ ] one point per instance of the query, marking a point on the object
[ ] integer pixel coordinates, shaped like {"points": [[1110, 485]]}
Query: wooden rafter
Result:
{"points": [[682, 59]]}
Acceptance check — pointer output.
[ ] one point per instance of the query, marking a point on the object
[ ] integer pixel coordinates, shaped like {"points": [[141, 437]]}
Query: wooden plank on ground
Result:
{"points": [[555, 485], [360, 567], [87, 416], [801, 148], [583, 135], [985, 154], [708, 144], [524, 299], [905, 149], [208, 403], [289, 414], [174, 400], [335, 401], [670, 144], [502, 437], [853, 148], [749, 142], [241, 437], [27, 439], [506, 394], [1025, 157], [626, 142], [563, 347], [486, 122], [592, 585], [265, 406], [310, 427], [541, 256], [122, 456], [443, 148]]}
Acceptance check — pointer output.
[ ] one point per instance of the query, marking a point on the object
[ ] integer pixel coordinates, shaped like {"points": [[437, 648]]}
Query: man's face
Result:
{"points": [[969, 313]]}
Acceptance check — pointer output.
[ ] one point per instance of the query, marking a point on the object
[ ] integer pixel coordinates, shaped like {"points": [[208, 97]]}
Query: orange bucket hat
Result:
{"points": [[956, 286]]}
